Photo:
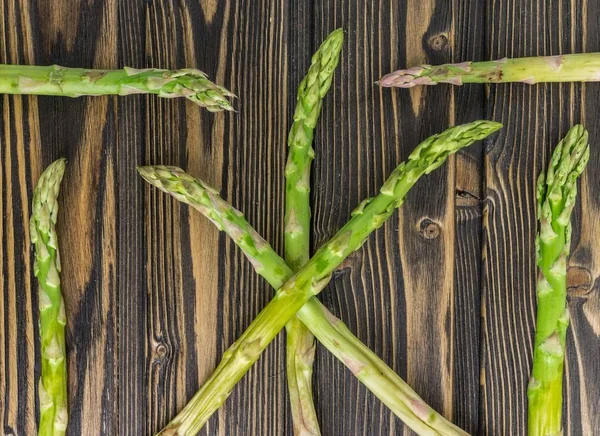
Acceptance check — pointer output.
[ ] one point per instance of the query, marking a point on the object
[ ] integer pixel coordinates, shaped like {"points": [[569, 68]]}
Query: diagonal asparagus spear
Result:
{"points": [[330, 331], [74, 82], [557, 191], [300, 341], [52, 387], [315, 275], [566, 68]]}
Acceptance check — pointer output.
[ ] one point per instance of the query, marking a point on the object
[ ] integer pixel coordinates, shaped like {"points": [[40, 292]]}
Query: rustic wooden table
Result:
{"points": [[444, 293]]}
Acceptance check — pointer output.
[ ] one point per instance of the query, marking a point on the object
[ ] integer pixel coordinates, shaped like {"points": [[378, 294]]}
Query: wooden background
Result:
{"points": [[444, 293]]}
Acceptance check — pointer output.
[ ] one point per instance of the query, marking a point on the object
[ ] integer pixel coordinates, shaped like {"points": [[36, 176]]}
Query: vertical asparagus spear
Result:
{"points": [[566, 68], [316, 273], [52, 387], [300, 341], [329, 330], [556, 194], [74, 82]]}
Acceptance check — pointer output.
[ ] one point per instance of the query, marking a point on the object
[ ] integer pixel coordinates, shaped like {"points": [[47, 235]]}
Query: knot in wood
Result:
{"points": [[161, 350], [579, 281], [438, 42], [429, 229]]}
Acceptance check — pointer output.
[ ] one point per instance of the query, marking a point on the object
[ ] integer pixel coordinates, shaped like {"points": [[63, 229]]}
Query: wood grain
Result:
{"points": [[444, 293], [19, 156], [468, 29], [535, 119]]}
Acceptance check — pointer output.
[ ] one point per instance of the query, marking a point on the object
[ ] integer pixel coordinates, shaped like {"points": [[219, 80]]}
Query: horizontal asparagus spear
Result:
{"points": [[566, 68], [329, 330], [557, 192], [300, 343], [315, 275], [75, 82], [52, 386]]}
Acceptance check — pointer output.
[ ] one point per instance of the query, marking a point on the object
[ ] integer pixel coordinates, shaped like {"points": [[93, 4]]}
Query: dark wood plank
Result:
{"points": [[20, 165], [468, 30], [131, 399], [255, 153], [535, 119], [170, 338], [582, 395]]}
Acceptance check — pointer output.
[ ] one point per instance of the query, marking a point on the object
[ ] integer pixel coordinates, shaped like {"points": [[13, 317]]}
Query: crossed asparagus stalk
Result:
{"points": [[296, 293]]}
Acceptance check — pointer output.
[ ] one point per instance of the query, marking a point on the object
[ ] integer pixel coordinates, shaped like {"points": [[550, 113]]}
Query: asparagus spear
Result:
{"points": [[52, 387], [300, 341], [556, 194], [565, 68], [74, 82], [315, 274]]}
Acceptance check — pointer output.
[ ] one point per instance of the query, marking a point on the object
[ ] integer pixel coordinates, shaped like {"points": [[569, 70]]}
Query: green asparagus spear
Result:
{"points": [[329, 330], [556, 194], [565, 68], [300, 341], [315, 275], [74, 82], [52, 387]]}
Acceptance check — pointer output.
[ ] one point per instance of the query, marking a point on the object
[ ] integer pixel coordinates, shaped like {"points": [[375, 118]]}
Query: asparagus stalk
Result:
{"points": [[52, 387], [330, 331], [565, 68], [556, 194], [316, 273], [300, 341], [75, 82]]}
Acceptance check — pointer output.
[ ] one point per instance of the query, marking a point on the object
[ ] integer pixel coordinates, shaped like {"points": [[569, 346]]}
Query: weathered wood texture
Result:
{"points": [[444, 293]]}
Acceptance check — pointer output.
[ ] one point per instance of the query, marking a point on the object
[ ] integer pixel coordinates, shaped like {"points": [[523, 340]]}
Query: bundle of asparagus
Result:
{"points": [[311, 278], [556, 194]]}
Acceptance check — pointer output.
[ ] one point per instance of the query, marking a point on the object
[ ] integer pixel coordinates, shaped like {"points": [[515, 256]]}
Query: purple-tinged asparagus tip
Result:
{"points": [[397, 79], [405, 78]]}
